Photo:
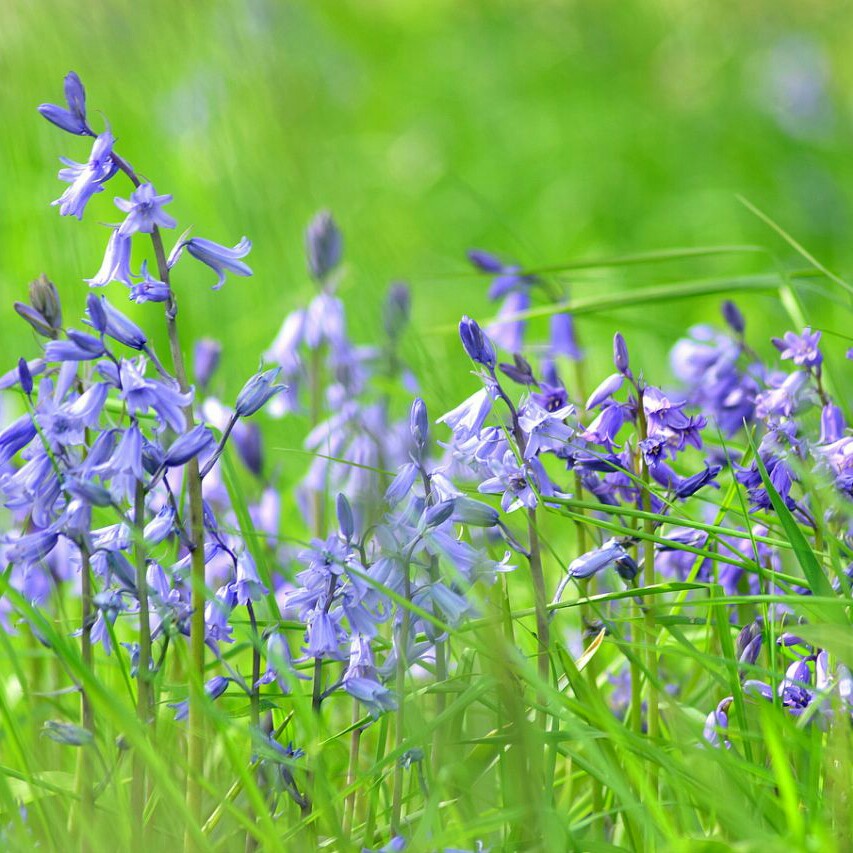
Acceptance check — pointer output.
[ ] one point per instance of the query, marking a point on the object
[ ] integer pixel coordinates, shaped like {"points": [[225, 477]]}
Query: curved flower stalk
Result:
{"points": [[170, 400], [353, 436]]}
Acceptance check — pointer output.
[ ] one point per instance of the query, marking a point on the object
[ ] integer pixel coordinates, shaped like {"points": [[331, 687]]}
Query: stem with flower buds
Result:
{"points": [[195, 750]]}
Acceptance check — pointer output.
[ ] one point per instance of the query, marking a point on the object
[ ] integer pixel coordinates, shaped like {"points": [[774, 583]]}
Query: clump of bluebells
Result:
{"points": [[409, 532]]}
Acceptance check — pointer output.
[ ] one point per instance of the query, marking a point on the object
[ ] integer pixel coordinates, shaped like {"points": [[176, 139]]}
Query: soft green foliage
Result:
{"points": [[556, 131]]}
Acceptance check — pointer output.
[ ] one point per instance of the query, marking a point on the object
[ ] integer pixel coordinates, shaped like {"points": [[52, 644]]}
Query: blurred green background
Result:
{"points": [[551, 131]]}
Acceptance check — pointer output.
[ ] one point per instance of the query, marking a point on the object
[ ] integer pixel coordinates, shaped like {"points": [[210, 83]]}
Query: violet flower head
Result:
{"points": [[257, 392], [206, 355], [324, 245], [219, 258], [87, 178], [144, 211], [116, 263], [72, 119], [150, 289], [620, 355], [801, 349]]}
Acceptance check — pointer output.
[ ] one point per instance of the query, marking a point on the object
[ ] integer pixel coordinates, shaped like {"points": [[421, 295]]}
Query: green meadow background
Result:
{"points": [[551, 131]]}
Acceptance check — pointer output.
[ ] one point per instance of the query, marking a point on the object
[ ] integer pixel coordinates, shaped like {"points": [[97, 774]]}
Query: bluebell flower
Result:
{"points": [[188, 445], [213, 688], [25, 377], [219, 258], [468, 417], [323, 245], [257, 392], [72, 119], [324, 635], [604, 429], [144, 211], [216, 614], [597, 560], [518, 485], [605, 390], [562, 340], [116, 325], [783, 398], [361, 679], [279, 661], [545, 431], [142, 394], [247, 585], [801, 349], [149, 289], [717, 723], [206, 355], [79, 347], [116, 263], [507, 330], [87, 178]]}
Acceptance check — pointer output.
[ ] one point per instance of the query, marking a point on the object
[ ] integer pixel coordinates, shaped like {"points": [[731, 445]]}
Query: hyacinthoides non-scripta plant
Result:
{"points": [[550, 618]]}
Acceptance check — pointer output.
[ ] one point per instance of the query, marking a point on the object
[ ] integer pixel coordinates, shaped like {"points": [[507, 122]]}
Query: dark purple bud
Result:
{"points": [[323, 245], [190, 444], [520, 372], [45, 299], [485, 261], [476, 344], [438, 514], [346, 523], [25, 377], [620, 354], [753, 649], [690, 485], [626, 567], [419, 423], [206, 355], [257, 391], [247, 441], [73, 119], [96, 312], [732, 316], [746, 635], [396, 310], [35, 319]]}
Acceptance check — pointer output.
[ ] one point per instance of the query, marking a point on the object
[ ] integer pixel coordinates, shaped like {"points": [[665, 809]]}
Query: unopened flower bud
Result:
{"points": [[732, 316], [45, 299], [323, 245], [620, 354], [346, 523], [419, 423], [479, 348], [25, 377], [257, 391], [396, 310]]}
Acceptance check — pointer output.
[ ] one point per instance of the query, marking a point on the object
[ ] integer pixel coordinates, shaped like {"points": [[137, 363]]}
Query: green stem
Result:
{"points": [[144, 706], [196, 747], [84, 760], [400, 734], [649, 580]]}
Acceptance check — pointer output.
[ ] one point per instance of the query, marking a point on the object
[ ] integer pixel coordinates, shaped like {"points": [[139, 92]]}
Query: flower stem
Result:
{"points": [[196, 748], [402, 648], [144, 705], [649, 579], [84, 762]]}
